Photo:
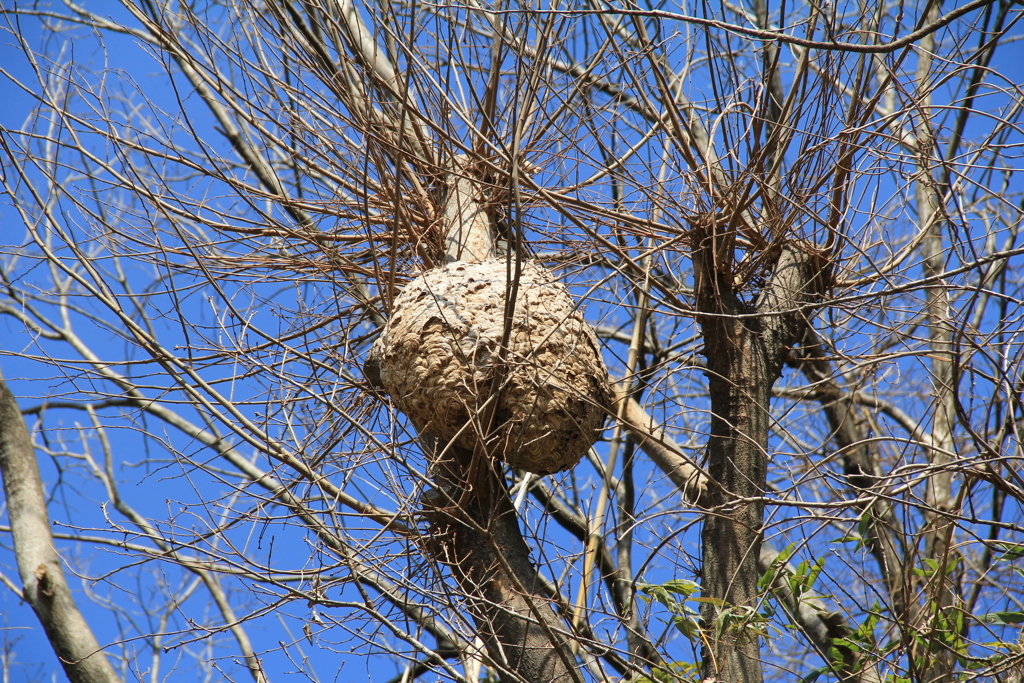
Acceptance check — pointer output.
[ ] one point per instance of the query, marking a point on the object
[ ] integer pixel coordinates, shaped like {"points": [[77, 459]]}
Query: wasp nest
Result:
{"points": [[438, 355]]}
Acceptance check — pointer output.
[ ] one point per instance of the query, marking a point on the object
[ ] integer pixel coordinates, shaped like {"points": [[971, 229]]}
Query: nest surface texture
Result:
{"points": [[439, 354]]}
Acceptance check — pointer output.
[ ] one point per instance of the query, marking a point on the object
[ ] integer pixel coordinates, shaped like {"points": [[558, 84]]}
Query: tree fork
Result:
{"points": [[745, 346]]}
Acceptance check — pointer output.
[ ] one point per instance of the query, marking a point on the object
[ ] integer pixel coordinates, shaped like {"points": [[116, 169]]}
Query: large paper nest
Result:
{"points": [[438, 354]]}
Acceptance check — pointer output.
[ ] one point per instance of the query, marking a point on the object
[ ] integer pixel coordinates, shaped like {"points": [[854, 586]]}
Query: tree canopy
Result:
{"points": [[792, 227]]}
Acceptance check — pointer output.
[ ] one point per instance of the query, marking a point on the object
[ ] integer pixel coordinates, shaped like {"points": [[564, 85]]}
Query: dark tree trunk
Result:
{"points": [[474, 530], [738, 374], [745, 346]]}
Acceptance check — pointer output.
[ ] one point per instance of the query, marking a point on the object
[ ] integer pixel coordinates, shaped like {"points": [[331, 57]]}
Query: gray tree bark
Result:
{"points": [[42, 576], [745, 346]]}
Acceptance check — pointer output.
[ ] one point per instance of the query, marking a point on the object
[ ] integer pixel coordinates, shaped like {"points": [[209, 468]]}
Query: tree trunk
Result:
{"points": [[740, 382], [474, 530], [42, 576], [745, 346], [934, 655]]}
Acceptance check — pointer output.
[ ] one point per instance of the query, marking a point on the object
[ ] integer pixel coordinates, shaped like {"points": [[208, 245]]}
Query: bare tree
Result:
{"points": [[793, 230]]}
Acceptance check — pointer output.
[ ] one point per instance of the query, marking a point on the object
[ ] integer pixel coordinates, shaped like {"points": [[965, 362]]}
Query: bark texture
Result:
{"points": [[469, 233], [474, 530], [933, 630], [42, 576], [821, 626], [745, 346]]}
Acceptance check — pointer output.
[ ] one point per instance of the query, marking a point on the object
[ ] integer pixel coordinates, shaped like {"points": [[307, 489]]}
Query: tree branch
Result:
{"points": [[42, 575]]}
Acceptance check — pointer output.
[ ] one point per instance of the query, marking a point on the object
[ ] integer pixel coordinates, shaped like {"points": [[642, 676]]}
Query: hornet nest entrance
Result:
{"points": [[439, 353]]}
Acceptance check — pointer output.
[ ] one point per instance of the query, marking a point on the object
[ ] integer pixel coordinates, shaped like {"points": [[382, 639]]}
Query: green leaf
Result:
{"points": [[681, 587], [670, 672], [814, 675], [864, 525], [785, 554], [688, 626], [778, 566], [849, 538], [812, 576], [865, 633], [658, 593], [1011, 551], [1005, 618], [929, 568]]}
